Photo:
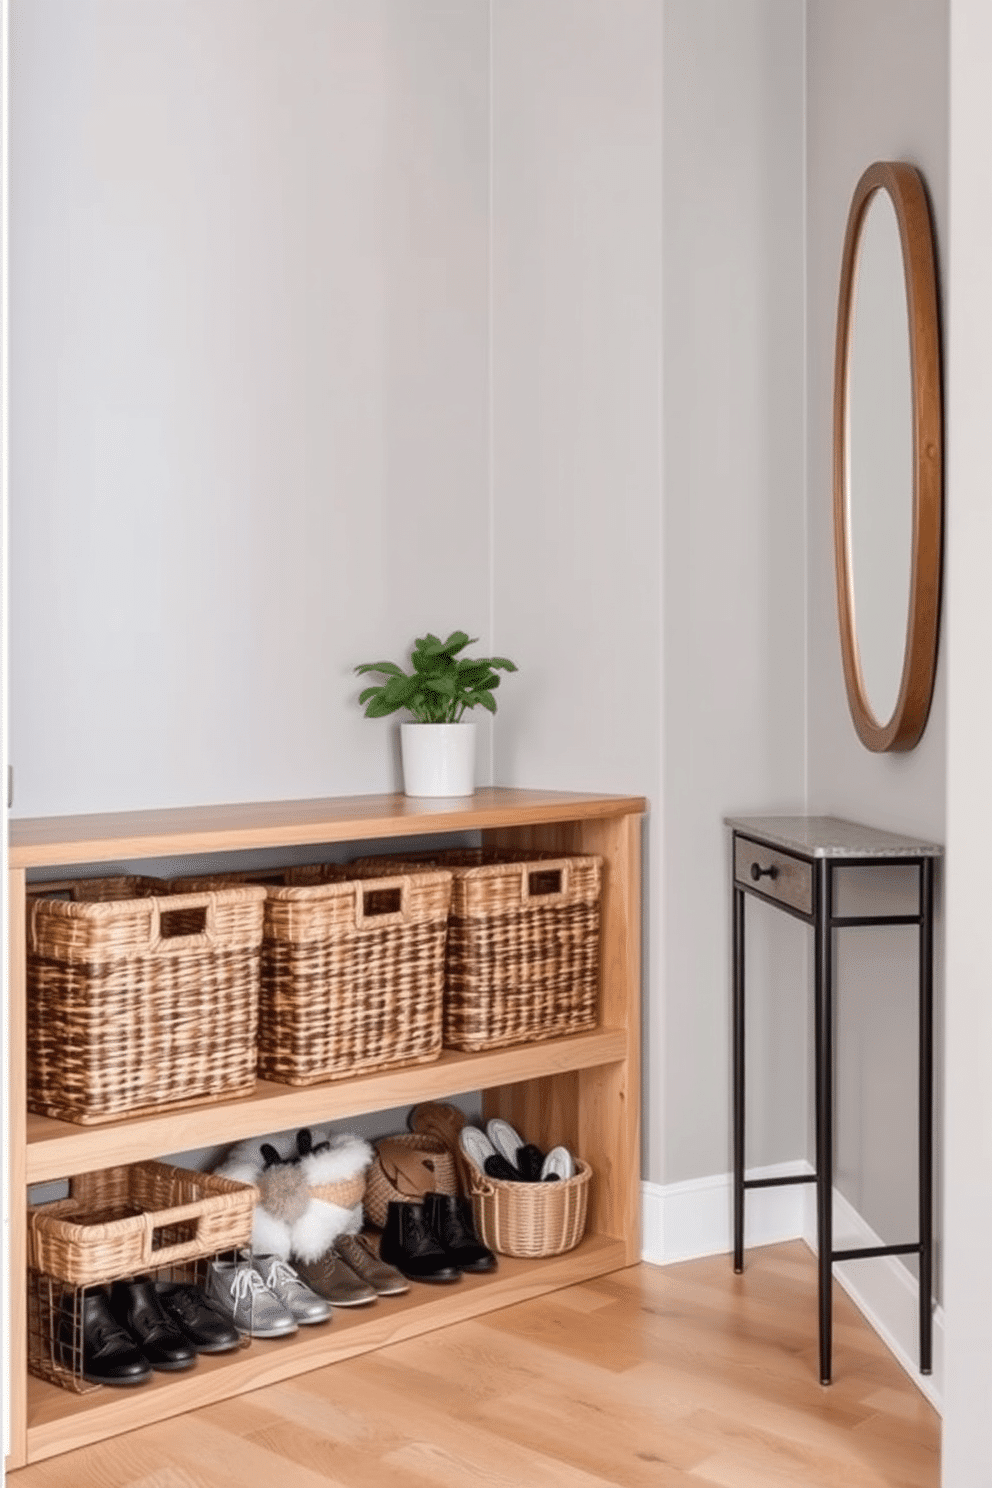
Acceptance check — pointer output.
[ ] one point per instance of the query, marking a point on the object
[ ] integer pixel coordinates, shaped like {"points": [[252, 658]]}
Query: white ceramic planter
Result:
{"points": [[438, 758]]}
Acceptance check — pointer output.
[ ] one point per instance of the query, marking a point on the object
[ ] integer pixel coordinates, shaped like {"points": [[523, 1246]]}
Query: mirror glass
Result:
{"points": [[880, 456]]}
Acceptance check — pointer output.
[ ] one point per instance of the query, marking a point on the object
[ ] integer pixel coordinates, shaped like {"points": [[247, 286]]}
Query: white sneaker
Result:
{"points": [[241, 1293], [299, 1301]]}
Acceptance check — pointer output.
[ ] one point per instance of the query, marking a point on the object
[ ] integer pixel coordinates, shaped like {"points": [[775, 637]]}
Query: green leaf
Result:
{"points": [[379, 708], [485, 698], [388, 668], [364, 696], [470, 671], [399, 689], [457, 641], [503, 663], [445, 686]]}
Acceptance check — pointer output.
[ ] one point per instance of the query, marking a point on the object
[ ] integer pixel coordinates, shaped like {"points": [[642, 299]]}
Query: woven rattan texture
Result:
{"points": [[522, 958], [167, 1214], [531, 1219], [124, 1017], [388, 1183], [345, 1193], [344, 993]]}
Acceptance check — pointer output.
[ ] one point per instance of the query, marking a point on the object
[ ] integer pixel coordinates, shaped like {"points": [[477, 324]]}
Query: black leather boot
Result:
{"points": [[453, 1226], [136, 1307], [408, 1244], [110, 1355]]}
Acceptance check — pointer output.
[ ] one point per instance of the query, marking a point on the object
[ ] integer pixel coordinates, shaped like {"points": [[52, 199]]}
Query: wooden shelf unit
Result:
{"points": [[583, 1091]]}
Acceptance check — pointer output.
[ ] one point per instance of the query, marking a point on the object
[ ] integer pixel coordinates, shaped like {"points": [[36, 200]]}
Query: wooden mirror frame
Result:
{"points": [[904, 185]]}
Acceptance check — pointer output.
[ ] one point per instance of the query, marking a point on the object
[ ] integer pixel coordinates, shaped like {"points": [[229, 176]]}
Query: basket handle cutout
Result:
{"points": [[381, 901], [165, 1237], [172, 1235], [388, 903], [549, 882], [544, 881], [182, 922], [172, 923]]}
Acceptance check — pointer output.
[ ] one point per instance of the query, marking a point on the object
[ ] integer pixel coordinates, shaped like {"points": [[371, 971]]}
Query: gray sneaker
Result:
{"points": [[243, 1296], [304, 1305]]}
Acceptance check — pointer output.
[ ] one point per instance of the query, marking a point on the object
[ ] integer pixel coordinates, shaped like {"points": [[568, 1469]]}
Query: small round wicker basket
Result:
{"points": [[530, 1219]]}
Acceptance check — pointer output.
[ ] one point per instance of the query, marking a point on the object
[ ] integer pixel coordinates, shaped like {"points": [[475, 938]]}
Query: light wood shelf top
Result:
{"points": [[59, 1421], [57, 1149], [52, 841]]}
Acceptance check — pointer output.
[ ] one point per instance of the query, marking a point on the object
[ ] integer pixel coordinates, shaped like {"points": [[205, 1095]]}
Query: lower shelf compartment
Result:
{"points": [[59, 1421]]}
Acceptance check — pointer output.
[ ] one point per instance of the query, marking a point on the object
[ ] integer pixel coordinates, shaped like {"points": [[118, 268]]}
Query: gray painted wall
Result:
{"points": [[249, 267], [577, 340], [733, 577], [967, 1457], [877, 89]]}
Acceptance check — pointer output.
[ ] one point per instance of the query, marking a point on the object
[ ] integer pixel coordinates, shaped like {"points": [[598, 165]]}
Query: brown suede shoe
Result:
{"points": [[331, 1277], [357, 1251]]}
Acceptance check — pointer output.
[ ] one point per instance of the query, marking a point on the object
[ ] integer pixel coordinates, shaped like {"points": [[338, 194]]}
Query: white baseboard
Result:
{"points": [[684, 1221]]}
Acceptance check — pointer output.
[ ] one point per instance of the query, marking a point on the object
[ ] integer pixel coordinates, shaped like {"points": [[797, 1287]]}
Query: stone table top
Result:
{"points": [[831, 837]]}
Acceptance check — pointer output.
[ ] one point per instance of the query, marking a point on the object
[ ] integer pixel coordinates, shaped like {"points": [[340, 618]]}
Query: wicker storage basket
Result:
{"points": [[345, 1193], [139, 1001], [522, 960], [352, 974], [121, 1221], [431, 1169], [530, 1219]]}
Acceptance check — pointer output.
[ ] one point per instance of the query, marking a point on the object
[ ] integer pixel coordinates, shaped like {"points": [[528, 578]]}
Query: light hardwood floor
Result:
{"points": [[686, 1375]]}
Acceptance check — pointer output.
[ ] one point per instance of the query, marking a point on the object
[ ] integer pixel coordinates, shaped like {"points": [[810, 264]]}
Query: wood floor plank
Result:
{"points": [[678, 1377]]}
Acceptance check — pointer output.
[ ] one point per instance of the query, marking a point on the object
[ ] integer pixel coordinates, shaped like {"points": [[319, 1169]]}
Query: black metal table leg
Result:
{"points": [[824, 1060], [738, 1045], [926, 1115]]}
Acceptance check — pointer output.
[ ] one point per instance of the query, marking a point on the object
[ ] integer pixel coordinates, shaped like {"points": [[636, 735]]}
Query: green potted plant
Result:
{"points": [[438, 748]]}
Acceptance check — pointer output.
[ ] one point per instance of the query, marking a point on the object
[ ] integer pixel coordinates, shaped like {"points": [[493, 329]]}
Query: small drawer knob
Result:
{"points": [[758, 872]]}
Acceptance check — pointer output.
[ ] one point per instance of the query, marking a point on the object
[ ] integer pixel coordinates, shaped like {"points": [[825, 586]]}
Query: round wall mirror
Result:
{"points": [[888, 465]]}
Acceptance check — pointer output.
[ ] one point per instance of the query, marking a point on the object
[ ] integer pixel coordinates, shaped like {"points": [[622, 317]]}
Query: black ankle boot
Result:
{"points": [[451, 1223], [408, 1244]]}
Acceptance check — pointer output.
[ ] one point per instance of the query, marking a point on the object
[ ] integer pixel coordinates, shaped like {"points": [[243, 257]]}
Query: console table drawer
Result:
{"points": [[776, 874]]}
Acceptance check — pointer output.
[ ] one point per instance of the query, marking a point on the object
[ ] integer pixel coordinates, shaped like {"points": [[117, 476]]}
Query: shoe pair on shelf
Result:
{"points": [[264, 1297], [350, 1274], [139, 1326], [434, 1240], [267, 1297], [502, 1153]]}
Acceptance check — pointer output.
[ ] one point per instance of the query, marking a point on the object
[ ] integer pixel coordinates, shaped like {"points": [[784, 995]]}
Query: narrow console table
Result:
{"points": [[790, 862]]}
